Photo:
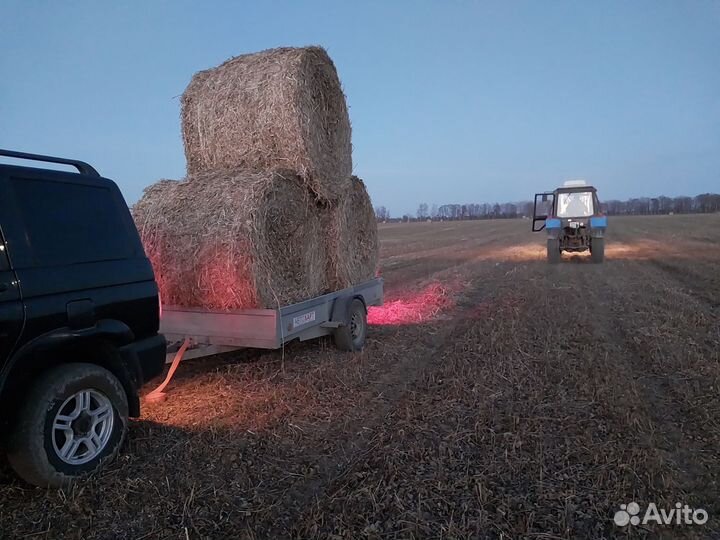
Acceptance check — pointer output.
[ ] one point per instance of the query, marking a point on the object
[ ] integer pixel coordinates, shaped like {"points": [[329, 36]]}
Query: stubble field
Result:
{"points": [[497, 397]]}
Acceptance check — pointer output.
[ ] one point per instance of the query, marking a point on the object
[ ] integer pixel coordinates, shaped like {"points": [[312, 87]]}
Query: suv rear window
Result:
{"points": [[68, 223]]}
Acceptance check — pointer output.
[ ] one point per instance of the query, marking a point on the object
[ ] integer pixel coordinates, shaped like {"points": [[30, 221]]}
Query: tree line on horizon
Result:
{"points": [[706, 203]]}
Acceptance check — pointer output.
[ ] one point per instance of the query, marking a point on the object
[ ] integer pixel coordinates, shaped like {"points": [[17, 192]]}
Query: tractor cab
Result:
{"points": [[573, 220]]}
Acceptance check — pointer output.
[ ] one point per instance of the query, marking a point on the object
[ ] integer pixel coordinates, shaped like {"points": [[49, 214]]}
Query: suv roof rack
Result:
{"points": [[81, 166]]}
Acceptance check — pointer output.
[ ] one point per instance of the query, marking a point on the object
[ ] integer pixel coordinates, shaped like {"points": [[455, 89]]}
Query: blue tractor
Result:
{"points": [[573, 220]]}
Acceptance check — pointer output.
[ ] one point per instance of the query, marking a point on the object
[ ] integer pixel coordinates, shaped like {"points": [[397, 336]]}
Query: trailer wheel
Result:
{"points": [[553, 250], [351, 336], [597, 249], [72, 422]]}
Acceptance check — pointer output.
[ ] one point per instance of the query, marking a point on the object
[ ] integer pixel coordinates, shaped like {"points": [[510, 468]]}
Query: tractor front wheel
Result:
{"points": [[553, 250], [597, 250]]}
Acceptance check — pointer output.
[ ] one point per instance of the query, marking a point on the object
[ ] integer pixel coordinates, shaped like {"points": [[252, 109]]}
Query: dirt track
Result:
{"points": [[497, 397]]}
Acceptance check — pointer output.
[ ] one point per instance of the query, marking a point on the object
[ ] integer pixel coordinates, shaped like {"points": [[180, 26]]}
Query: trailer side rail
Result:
{"points": [[221, 331]]}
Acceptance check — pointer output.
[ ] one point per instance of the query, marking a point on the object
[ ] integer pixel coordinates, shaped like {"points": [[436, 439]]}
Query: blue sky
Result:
{"points": [[450, 102]]}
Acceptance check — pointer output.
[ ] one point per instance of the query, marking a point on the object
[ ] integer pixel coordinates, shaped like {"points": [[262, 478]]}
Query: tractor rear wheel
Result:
{"points": [[553, 250], [597, 250]]}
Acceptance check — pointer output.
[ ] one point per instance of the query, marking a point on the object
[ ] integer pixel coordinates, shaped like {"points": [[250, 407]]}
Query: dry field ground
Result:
{"points": [[497, 397]]}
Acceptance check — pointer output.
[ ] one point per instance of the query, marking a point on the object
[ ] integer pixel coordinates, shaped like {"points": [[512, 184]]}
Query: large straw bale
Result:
{"points": [[352, 237], [233, 239], [277, 109]]}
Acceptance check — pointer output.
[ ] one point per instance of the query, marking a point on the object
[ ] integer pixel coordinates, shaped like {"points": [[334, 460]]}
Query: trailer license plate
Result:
{"points": [[303, 319]]}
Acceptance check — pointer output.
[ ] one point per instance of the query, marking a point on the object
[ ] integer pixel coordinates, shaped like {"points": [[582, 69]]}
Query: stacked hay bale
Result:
{"points": [[352, 237], [277, 109], [233, 239], [268, 214]]}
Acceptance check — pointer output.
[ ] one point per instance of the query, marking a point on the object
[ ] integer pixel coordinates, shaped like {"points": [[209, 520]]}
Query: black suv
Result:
{"points": [[79, 317]]}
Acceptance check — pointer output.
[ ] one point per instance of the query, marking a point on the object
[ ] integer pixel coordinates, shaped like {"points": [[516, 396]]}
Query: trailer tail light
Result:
{"points": [[159, 305]]}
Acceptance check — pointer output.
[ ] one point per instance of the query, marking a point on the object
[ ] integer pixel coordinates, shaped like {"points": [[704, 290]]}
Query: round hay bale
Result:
{"points": [[148, 215], [352, 237], [233, 239], [277, 109]]}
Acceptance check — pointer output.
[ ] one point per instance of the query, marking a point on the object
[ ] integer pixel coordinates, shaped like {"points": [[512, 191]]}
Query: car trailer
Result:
{"points": [[198, 332]]}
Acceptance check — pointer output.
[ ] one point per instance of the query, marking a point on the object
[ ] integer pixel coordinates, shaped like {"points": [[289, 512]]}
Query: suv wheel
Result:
{"points": [[72, 422]]}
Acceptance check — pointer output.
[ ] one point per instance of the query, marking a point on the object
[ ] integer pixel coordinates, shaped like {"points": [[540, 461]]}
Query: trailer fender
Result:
{"points": [[341, 308]]}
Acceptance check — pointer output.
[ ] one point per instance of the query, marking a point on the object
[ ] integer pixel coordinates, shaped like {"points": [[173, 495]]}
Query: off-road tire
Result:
{"points": [[553, 251], [597, 250], [351, 336], [30, 447]]}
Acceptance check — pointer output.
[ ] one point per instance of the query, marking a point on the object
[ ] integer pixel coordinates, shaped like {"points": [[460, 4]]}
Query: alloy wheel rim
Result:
{"points": [[82, 427]]}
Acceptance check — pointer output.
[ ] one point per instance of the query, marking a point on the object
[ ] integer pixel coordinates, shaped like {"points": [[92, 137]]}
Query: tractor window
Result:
{"points": [[575, 204]]}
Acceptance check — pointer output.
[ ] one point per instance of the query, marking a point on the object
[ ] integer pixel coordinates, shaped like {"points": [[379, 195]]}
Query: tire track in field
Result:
{"points": [[529, 415], [694, 283], [612, 330], [379, 407], [675, 369], [314, 521], [584, 381]]}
